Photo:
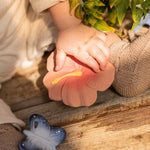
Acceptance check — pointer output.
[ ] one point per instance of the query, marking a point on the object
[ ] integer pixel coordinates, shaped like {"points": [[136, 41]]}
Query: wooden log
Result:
{"points": [[108, 102], [128, 130], [123, 124]]}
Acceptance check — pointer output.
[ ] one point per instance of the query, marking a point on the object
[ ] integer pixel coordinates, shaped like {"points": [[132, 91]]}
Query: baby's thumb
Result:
{"points": [[60, 60]]}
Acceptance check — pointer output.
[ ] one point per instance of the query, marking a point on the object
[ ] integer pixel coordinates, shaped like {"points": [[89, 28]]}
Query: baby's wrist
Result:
{"points": [[61, 16]]}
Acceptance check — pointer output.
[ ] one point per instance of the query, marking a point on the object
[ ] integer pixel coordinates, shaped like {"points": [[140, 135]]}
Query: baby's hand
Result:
{"points": [[84, 43]]}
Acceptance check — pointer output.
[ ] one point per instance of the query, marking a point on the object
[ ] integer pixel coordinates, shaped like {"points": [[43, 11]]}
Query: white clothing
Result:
{"points": [[24, 36], [6, 115], [41, 5]]}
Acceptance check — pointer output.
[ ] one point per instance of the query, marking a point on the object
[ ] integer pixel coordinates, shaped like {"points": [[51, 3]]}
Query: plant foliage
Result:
{"points": [[92, 12]]}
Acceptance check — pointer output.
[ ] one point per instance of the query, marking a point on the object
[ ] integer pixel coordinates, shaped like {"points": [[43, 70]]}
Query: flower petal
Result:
{"points": [[77, 90], [102, 80], [76, 93], [55, 90]]}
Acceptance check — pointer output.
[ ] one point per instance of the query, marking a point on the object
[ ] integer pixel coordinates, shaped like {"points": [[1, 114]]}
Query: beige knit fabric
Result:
{"points": [[132, 63], [9, 137]]}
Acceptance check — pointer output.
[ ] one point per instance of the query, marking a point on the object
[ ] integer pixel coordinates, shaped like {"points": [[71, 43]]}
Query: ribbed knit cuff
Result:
{"points": [[116, 50]]}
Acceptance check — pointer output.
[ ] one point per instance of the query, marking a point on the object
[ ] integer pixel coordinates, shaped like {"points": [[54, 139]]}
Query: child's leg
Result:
{"points": [[132, 63], [9, 137]]}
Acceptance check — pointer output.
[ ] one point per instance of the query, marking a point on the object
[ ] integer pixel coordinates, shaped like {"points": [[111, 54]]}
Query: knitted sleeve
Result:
{"points": [[41, 5]]}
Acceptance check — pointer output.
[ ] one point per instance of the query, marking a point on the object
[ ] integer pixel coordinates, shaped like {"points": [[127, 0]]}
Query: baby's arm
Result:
{"points": [[84, 43]]}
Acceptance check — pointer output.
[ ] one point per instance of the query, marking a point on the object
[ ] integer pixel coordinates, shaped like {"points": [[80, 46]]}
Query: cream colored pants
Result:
{"points": [[24, 36]]}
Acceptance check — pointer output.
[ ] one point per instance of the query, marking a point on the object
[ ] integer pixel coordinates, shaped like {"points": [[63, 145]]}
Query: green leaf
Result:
{"points": [[92, 12], [112, 14], [139, 14], [92, 4], [92, 20], [139, 1], [103, 26], [95, 12], [89, 5], [146, 4], [113, 3], [145, 12], [73, 3], [133, 8], [98, 16], [99, 3], [85, 20], [121, 9], [78, 12]]}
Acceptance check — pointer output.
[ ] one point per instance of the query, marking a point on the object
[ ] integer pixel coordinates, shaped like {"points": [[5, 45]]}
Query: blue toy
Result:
{"points": [[41, 135]]}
